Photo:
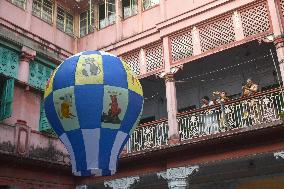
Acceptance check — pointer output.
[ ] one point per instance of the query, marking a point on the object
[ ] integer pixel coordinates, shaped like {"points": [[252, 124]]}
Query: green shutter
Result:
{"points": [[44, 125], [9, 62], [7, 99], [39, 74]]}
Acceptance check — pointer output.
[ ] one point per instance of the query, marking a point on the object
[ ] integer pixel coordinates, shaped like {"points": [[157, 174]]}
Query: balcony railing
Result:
{"points": [[241, 113], [148, 136]]}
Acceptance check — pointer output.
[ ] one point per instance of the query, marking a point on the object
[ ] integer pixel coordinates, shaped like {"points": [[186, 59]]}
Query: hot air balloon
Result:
{"points": [[93, 102]]}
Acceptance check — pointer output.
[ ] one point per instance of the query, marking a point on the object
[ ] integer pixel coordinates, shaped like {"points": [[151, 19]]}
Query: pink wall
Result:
{"points": [[98, 39], [150, 18], [130, 26], [177, 7], [26, 107], [25, 20]]}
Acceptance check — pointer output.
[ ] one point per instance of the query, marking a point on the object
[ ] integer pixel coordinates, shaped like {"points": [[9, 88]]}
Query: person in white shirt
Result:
{"points": [[206, 102]]}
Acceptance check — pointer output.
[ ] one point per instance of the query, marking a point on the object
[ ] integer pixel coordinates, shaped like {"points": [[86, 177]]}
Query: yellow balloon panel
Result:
{"points": [[89, 70], [49, 84], [133, 82]]}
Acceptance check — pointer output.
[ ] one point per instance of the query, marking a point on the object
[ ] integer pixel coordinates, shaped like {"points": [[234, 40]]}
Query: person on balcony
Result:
{"points": [[206, 102], [209, 125], [222, 98], [250, 88]]}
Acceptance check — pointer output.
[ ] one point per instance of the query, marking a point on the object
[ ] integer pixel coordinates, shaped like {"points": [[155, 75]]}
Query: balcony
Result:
{"points": [[240, 115], [20, 141]]}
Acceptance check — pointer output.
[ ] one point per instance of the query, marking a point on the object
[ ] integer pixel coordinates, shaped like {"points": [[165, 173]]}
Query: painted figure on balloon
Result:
{"points": [[90, 67], [113, 112], [65, 106]]}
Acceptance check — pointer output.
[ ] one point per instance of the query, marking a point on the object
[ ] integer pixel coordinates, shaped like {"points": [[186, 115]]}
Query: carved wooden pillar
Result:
{"points": [[177, 177], [26, 56], [122, 183]]}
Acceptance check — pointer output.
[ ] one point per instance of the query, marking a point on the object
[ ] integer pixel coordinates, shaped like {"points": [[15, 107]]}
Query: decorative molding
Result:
{"points": [[169, 77], [27, 54], [26, 57], [177, 177], [279, 155], [122, 183]]}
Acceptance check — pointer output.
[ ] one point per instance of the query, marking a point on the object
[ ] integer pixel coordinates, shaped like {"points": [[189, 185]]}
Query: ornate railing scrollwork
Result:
{"points": [[148, 136], [242, 113]]}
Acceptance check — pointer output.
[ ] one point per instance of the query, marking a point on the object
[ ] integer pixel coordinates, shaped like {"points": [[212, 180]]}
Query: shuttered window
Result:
{"points": [[44, 125], [7, 94]]}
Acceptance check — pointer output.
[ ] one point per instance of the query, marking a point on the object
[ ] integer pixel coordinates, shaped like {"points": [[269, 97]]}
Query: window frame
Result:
{"points": [[144, 9], [41, 3], [88, 19], [65, 14], [14, 2], [106, 4], [131, 5]]}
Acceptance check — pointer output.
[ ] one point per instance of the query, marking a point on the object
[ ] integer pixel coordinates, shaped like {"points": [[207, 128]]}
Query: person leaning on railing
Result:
{"points": [[222, 98], [249, 88], [252, 109]]}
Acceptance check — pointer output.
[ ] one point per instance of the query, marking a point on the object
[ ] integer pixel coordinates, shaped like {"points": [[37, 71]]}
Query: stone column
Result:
{"points": [[170, 94], [177, 177], [279, 45], [172, 108], [26, 56], [122, 183]]}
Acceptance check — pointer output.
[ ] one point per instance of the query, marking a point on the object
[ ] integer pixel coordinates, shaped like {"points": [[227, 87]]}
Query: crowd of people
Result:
{"points": [[249, 89]]}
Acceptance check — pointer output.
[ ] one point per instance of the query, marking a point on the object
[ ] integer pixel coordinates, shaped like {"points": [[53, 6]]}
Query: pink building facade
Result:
{"points": [[181, 50]]}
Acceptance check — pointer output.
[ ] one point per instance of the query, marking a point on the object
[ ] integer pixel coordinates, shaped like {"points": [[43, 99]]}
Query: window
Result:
{"points": [[43, 9], [19, 3], [106, 13], [129, 8], [150, 3], [64, 21], [147, 120], [44, 125], [86, 22], [6, 94]]}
